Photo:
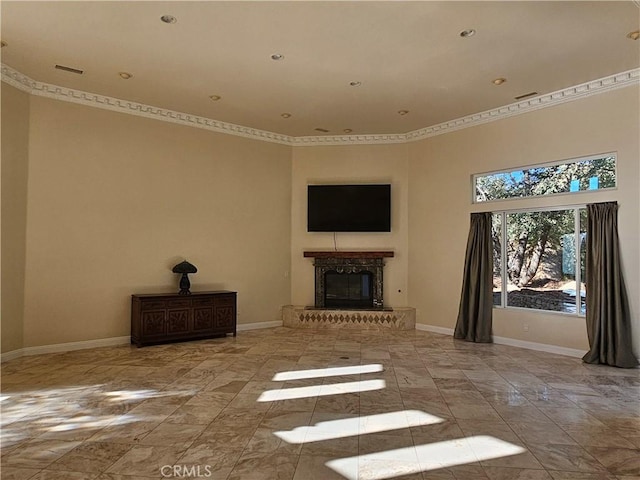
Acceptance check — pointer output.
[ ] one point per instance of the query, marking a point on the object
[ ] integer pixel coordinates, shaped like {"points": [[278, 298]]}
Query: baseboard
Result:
{"points": [[66, 347], [104, 342], [541, 347], [242, 327], [12, 355], [109, 342], [512, 342], [432, 328]]}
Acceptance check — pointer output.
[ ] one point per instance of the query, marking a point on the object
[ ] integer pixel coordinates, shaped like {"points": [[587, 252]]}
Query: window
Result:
{"points": [[539, 259], [539, 253], [571, 176]]}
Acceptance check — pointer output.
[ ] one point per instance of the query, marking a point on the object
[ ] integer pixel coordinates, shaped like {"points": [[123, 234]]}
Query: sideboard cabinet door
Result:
{"points": [[224, 312]]}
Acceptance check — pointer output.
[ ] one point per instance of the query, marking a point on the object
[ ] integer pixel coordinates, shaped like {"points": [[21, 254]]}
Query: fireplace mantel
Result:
{"points": [[358, 254]]}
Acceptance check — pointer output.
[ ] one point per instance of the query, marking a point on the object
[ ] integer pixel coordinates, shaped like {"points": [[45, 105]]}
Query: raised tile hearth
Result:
{"points": [[302, 317]]}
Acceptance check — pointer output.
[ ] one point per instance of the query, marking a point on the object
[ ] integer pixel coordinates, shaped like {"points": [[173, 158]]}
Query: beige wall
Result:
{"points": [[440, 170], [350, 164], [116, 200], [15, 155]]}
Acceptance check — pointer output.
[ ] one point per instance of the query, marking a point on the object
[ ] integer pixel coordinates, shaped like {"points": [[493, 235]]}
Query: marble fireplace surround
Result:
{"points": [[378, 317], [349, 262]]}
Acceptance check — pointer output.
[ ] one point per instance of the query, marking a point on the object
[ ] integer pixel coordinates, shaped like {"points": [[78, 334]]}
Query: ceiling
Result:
{"points": [[407, 55]]}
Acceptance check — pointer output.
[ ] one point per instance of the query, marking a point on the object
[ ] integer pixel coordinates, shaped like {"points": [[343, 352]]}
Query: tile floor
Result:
{"points": [[280, 404]]}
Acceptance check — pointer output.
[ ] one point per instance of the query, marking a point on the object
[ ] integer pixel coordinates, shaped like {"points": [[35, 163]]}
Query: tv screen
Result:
{"points": [[349, 208]]}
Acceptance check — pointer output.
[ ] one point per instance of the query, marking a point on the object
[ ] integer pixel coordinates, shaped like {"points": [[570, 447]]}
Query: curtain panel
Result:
{"points": [[608, 315], [475, 314]]}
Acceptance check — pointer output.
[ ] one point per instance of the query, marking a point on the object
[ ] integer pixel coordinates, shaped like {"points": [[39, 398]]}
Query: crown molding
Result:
{"points": [[370, 139], [26, 84], [22, 82], [594, 87]]}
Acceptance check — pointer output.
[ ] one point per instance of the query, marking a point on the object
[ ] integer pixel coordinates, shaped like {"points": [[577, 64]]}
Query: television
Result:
{"points": [[349, 208]]}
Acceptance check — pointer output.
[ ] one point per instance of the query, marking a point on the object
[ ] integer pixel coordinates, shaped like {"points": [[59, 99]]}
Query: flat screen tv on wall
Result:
{"points": [[349, 208]]}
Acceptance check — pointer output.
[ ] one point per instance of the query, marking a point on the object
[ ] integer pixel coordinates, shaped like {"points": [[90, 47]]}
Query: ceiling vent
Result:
{"points": [[70, 69], [323, 130], [526, 95]]}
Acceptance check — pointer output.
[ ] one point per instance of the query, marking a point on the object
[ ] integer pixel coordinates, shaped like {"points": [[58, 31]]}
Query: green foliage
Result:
{"points": [[531, 234], [549, 224], [547, 180]]}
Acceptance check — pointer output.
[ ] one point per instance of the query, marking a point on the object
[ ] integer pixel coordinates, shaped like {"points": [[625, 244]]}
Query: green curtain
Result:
{"points": [[476, 300], [608, 314]]}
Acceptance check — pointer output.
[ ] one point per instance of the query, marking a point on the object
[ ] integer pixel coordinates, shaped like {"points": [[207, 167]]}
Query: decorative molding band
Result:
{"points": [[26, 84], [330, 140], [16, 79], [602, 85], [22, 82], [512, 342], [403, 318]]}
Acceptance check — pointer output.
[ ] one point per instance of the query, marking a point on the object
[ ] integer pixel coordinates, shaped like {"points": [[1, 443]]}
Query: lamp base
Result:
{"points": [[185, 284]]}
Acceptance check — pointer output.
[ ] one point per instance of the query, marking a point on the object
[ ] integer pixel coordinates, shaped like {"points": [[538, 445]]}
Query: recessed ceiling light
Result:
{"points": [[125, 75], [467, 33], [498, 81], [285, 115], [3, 44], [355, 83], [215, 98], [634, 35], [277, 56], [403, 112], [168, 19], [347, 130]]}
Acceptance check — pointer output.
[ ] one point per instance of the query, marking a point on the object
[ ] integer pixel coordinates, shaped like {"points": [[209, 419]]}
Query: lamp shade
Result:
{"points": [[184, 267]]}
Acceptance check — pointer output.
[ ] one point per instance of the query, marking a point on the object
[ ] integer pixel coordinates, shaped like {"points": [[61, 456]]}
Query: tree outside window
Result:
{"points": [[596, 173], [539, 260], [539, 255]]}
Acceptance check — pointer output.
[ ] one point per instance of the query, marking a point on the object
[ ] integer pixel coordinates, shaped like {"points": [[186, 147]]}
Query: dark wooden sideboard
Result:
{"points": [[170, 317]]}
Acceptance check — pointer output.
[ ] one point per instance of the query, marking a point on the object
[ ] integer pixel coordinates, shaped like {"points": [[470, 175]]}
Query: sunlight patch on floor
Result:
{"points": [[349, 427], [122, 395], [327, 372], [56, 410], [321, 390], [422, 458], [91, 422]]}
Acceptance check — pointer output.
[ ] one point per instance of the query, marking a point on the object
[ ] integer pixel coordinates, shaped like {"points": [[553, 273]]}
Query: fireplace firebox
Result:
{"points": [[349, 280], [348, 290]]}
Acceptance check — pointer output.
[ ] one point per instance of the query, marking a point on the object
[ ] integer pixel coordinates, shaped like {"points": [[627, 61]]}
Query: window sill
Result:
{"points": [[546, 312]]}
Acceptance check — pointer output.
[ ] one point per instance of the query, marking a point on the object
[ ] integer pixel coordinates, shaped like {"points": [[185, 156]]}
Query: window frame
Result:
{"points": [[475, 176], [503, 253]]}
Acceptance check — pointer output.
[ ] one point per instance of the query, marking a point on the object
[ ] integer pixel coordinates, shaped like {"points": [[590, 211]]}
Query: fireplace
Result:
{"points": [[349, 280], [348, 294], [348, 290]]}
